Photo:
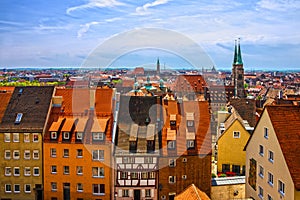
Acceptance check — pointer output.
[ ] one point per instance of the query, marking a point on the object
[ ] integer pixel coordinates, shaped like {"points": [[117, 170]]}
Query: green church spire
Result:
{"points": [[239, 54]]}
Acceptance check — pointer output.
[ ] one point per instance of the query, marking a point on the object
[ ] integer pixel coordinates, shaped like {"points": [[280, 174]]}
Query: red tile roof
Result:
{"points": [[4, 100], [190, 83], [192, 193], [286, 122]]}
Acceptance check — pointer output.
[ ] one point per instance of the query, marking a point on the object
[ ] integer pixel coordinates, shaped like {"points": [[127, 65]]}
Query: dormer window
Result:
{"points": [[171, 144], [53, 135], [172, 120], [79, 135], [190, 123], [66, 135], [98, 136], [190, 144]]}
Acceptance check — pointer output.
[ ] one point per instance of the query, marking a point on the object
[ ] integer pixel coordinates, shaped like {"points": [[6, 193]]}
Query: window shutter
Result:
{"points": [[120, 193], [143, 193], [130, 193], [152, 192]]}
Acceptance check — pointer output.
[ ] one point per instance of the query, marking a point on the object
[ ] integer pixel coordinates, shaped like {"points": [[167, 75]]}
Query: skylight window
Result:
{"points": [[19, 118]]}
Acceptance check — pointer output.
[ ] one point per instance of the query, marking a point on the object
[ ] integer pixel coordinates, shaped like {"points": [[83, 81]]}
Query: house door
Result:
{"points": [[137, 194], [67, 191]]}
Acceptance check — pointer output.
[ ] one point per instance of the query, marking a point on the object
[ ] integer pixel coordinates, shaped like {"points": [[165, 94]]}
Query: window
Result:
{"points": [[19, 115], [271, 156], [260, 192], [98, 136], [79, 135], [172, 123], [54, 186], [7, 171], [53, 135], [125, 193], [281, 187], [98, 189], [266, 132], [66, 170], [270, 179], [134, 175], [79, 187], [6, 137], [128, 160], [53, 152], [172, 179], [7, 154], [261, 171], [79, 170], [236, 169], [98, 172], [98, 154], [144, 175], [150, 146], [16, 154], [225, 168], [16, 171], [132, 146], [148, 159], [148, 192], [190, 144], [152, 175], [27, 154], [172, 163], [27, 188], [16, 188], [8, 188], [79, 153], [26, 137], [190, 123], [53, 169], [36, 171], [66, 153], [16, 137], [270, 197], [171, 144], [35, 154], [35, 137], [27, 171], [66, 135], [261, 150], [123, 175], [236, 134]]}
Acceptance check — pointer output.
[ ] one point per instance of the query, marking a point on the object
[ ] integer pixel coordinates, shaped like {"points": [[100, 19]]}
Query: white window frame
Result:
{"points": [[190, 144], [79, 170], [152, 175], [53, 152], [98, 154], [190, 123], [99, 171], [260, 192], [261, 171], [35, 154], [148, 160], [53, 186], [271, 156], [26, 170], [134, 175], [147, 192], [172, 162], [66, 170], [125, 193], [266, 132], [7, 137], [8, 191], [34, 136], [98, 136], [25, 188], [281, 187], [99, 188], [66, 153], [270, 179], [261, 147], [26, 137], [79, 187], [77, 153], [128, 159], [16, 137], [6, 170], [16, 157], [66, 135], [5, 154], [27, 154], [171, 144], [17, 185], [236, 134], [36, 168], [17, 174], [79, 135], [53, 169], [172, 179], [53, 135]]}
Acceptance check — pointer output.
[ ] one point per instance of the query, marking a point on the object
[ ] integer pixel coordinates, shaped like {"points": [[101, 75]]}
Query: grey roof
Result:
{"points": [[228, 180]]}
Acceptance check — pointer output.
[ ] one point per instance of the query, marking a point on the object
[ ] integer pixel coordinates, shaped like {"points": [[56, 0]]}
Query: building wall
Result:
{"points": [[278, 168], [230, 149], [196, 168], [228, 192], [21, 163], [73, 178]]}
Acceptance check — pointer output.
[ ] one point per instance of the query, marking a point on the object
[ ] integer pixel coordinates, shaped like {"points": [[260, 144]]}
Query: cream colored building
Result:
{"points": [[273, 155]]}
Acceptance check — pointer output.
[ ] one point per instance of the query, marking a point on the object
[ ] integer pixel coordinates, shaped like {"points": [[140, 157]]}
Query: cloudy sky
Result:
{"points": [[56, 33]]}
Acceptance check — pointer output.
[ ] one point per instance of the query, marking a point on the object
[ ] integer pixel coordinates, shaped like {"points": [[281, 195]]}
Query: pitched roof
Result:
{"points": [[189, 83], [32, 103], [246, 108], [5, 96], [286, 122], [192, 193]]}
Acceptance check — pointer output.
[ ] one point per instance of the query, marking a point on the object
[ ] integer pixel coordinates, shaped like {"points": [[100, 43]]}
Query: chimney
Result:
{"points": [[92, 99]]}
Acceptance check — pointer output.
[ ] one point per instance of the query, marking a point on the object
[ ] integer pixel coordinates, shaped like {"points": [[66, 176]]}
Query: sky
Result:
{"points": [[55, 33]]}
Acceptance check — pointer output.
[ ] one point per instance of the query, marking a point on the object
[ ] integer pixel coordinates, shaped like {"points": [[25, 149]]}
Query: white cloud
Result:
{"points": [[279, 5], [95, 4], [143, 9]]}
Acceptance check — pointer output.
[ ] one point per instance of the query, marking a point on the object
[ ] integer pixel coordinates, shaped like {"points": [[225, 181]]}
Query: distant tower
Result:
{"points": [[157, 67], [238, 72]]}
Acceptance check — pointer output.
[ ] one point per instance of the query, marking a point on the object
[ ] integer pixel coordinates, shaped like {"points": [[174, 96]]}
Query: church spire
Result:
{"points": [[239, 54], [235, 53], [157, 67]]}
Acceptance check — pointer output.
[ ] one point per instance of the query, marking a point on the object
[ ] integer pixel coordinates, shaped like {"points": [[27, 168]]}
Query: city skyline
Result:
{"points": [[63, 34]]}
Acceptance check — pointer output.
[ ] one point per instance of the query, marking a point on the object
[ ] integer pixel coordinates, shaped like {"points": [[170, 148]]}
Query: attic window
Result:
{"points": [[18, 118], [20, 91]]}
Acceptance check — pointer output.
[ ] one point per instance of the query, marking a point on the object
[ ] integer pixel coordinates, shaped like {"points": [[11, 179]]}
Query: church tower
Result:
{"points": [[157, 67], [238, 72]]}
